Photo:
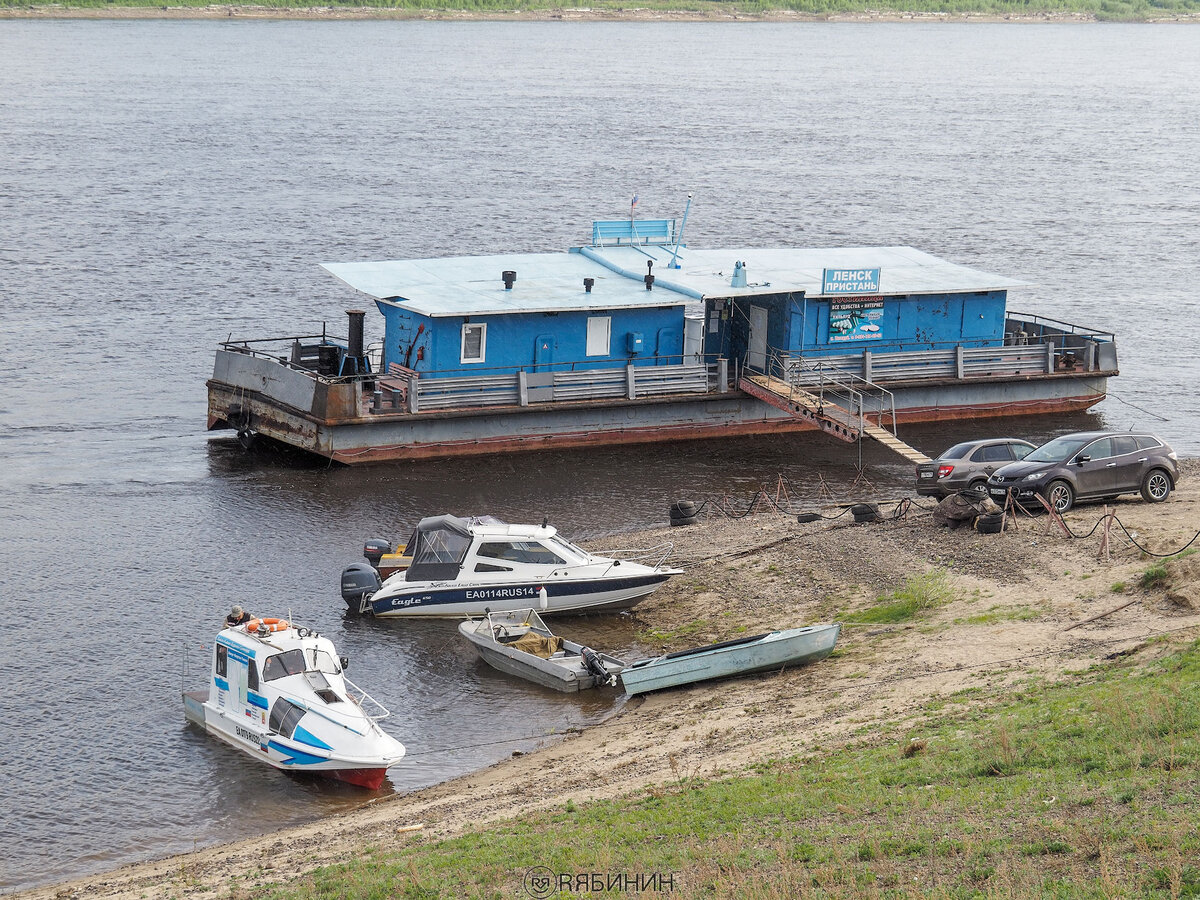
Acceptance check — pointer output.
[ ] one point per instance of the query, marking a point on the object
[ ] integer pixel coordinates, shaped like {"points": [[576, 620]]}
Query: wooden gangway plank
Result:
{"points": [[829, 416]]}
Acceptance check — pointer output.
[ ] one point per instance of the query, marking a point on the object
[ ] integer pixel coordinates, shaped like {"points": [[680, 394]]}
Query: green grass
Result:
{"points": [[920, 594], [1086, 789], [1104, 10], [1003, 614]]}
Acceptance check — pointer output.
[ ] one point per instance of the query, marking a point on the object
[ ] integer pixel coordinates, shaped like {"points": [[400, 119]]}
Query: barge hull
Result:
{"points": [[474, 432]]}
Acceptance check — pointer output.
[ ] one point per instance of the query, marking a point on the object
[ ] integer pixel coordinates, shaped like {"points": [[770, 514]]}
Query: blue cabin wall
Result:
{"points": [[800, 325], [533, 341]]}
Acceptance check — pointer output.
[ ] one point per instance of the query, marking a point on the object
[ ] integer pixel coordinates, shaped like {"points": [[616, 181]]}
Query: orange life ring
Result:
{"points": [[256, 625]]}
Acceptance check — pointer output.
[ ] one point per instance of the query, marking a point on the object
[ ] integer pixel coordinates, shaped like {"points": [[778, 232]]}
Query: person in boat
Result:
{"points": [[237, 616]]}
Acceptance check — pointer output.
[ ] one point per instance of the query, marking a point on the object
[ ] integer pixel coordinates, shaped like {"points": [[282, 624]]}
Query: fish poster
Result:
{"points": [[860, 319]]}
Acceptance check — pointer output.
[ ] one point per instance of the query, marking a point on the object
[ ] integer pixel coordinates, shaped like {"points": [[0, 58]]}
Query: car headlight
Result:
{"points": [[1034, 477]]}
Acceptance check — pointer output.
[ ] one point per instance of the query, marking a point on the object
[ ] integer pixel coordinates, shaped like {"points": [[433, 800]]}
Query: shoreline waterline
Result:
{"points": [[1056, 596]]}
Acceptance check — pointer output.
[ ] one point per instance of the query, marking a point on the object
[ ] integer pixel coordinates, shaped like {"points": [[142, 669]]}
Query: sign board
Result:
{"points": [[850, 281], [856, 319]]}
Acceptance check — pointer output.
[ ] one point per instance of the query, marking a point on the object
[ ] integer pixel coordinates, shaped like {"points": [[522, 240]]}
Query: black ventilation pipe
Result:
{"points": [[649, 279], [509, 277], [355, 344], [587, 284]]}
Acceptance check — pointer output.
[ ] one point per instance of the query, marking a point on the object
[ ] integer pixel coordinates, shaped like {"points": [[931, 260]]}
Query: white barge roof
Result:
{"points": [[472, 285], [553, 282]]}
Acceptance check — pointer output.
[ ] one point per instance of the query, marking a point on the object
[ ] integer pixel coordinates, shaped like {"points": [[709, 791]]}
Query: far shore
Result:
{"points": [[1028, 603], [579, 14]]}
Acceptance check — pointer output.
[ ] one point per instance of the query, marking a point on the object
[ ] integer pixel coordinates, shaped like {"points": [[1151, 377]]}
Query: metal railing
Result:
{"points": [[844, 389], [426, 392]]}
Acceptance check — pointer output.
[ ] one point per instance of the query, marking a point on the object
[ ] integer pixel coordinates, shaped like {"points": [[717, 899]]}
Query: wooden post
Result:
{"points": [[1104, 540], [413, 402], [523, 388], [630, 387], [959, 367]]}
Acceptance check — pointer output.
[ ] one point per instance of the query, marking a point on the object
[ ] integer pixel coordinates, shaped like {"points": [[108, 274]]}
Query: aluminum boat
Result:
{"points": [[279, 693], [465, 567], [519, 643], [762, 652]]}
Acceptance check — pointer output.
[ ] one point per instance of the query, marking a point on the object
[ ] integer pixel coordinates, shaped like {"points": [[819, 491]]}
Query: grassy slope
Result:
{"points": [[1083, 789], [1104, 10]]}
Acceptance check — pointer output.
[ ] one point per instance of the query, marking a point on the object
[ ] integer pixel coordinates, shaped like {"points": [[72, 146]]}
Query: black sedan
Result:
{"points": [[1090, 465]]}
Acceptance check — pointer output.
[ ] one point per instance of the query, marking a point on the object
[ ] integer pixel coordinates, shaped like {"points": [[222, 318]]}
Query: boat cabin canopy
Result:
{"points": [[622, 301]]}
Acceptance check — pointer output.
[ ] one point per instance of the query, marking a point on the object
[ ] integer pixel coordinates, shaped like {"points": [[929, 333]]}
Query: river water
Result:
{"points": [[164, 184]]}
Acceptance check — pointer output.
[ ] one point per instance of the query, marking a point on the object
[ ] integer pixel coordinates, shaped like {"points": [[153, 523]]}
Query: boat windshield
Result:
{"points": [[1057, 450], [290, 662], [519, 551], [569, 551], [320, 661]]}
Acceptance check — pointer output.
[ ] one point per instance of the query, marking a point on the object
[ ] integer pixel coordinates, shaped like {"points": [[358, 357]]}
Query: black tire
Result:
{"points": [[1060, 495], [977, 488], [1156, 486], [989, 524], [684, 520], [683, 509]]}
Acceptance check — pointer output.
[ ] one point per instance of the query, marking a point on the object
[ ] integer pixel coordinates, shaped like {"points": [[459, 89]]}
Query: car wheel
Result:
{"points": [[1156, 486], [978, 487], [1060, 496]]}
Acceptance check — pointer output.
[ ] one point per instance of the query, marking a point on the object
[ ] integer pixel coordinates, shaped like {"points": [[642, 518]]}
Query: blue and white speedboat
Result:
{"points": [[465, 567], [279, 693]]}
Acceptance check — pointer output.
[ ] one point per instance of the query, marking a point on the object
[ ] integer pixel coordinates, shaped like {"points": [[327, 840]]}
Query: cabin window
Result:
{"points": [[222, 661], [474, 343], [488, 567], [599, 332], [251, 675], [285, 715], [519, 551], [289, 663]]}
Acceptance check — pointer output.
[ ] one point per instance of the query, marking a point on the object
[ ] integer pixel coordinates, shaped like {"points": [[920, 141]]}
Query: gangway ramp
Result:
{"points": [[820, 409]]}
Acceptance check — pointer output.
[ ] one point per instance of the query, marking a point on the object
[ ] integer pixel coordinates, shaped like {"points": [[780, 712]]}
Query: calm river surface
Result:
{"points": [[166, 184]]}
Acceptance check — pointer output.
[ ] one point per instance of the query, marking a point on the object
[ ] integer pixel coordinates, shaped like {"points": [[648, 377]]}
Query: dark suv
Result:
{"points": [[1090, 465], [966, 466]]}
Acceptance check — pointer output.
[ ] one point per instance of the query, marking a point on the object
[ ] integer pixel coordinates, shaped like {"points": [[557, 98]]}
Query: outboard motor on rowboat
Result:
{"points": [[374, 549], [594, 664], [359, 582]]}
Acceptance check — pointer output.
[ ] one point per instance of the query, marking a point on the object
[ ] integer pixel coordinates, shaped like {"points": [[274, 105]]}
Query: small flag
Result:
{"points": [[634, 203]]}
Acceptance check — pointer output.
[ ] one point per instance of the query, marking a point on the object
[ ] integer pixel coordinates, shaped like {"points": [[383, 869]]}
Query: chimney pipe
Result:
{"points": [[355, 343], [587, 284], [649, 279], [509, 277]]}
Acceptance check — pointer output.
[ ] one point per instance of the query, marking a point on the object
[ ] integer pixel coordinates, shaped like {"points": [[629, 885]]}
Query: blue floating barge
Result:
{"points": [[637, 337]]}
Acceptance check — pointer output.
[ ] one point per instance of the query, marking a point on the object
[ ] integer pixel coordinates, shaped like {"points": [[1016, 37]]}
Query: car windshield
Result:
{"points": [[1058, 450], [958, 451]]}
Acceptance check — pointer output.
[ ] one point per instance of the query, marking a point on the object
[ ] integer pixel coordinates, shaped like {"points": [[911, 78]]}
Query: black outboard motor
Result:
{"points": [[374, 549], [594, 664], [358, 583]]}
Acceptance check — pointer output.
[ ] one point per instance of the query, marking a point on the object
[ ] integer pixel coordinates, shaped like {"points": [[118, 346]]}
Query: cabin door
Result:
{"points": [[543, 352], [757, 343]]}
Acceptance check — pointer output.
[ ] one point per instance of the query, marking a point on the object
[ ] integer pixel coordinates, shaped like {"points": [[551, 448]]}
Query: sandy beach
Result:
{"points": [[1031, 601]]}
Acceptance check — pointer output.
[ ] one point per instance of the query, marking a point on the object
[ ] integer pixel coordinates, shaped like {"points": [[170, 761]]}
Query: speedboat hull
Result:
{"points": [[282, 753], [777, 650], [450, 600]]}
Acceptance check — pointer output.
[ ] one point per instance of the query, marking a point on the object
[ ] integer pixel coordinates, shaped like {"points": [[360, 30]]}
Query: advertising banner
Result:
{"points": [[856, 319]]}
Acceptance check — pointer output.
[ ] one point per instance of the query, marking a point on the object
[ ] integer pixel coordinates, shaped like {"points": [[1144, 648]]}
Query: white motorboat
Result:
{"points": [[519, 643], [280, 694], [463, 567]]}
